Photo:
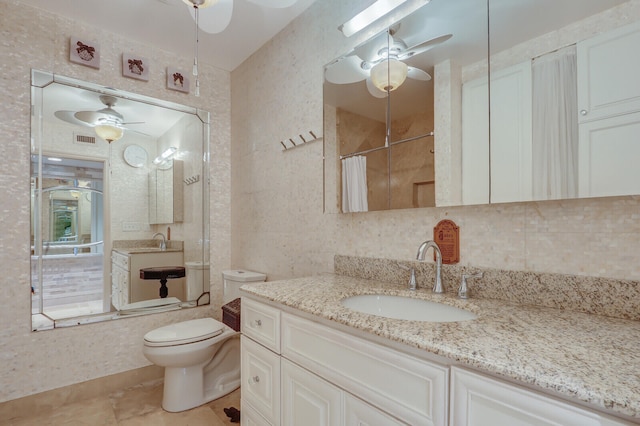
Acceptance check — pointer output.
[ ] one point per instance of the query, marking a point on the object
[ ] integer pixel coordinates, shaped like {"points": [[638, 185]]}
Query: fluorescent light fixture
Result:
{"points": [[168, 153], [374, 12], [54, 159]]}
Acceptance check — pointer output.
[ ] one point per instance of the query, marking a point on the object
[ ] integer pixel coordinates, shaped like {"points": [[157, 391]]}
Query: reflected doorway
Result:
{"points": [[67, 237]]}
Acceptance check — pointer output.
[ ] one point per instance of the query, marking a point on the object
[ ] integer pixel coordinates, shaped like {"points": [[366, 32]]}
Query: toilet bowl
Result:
{"points": [[201, 358]]}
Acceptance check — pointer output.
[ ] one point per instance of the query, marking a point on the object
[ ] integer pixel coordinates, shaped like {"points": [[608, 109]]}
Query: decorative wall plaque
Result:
{"points": [[447, 235], [177, 80], [135, 67], [84, 52]]}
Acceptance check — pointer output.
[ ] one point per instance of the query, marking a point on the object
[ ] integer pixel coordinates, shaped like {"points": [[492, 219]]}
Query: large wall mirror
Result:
{"points": [[393, 110], [564, 107], [119, 203], [565, 101]]}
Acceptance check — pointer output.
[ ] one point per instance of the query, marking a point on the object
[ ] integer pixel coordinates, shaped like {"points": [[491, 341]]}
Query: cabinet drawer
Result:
{"points": [[477, 400], [260, 369], [261, 323], [413, 390]]}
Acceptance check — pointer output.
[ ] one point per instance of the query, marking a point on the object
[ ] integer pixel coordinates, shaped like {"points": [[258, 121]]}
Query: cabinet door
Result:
{"points": [[608, 156], [260, 370], [357, 412], [608, 69], [477, 400], [307, 399], [119, 287]]}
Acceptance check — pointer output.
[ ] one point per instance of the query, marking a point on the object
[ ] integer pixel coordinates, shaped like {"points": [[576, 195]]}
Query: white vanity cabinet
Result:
{"points": [[296, 371], [126, 285], [327, 375], [478, 400]]}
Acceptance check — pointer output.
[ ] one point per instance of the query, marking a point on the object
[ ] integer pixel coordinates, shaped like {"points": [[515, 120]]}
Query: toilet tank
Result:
{"points": [[235, 278]]}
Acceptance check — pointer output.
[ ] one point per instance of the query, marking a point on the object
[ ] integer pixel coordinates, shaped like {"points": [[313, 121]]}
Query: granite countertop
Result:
{"points": [[136, 250], [590, 358]]}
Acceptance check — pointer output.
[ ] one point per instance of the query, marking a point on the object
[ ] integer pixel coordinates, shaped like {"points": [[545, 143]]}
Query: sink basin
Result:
{"points": [[406, 308]]}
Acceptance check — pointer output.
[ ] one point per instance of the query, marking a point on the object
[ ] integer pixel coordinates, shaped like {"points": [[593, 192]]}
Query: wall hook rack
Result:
{"points": [[299, 141], [192, 179]]}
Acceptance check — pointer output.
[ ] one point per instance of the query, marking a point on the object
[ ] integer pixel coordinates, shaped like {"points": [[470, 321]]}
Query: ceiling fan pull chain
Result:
{"points": [[195, 59]]}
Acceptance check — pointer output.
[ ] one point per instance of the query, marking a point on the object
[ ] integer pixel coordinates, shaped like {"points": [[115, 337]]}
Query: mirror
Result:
{"points": [[394, 145], [100, 210], [523, 159], [165, 193], [565, 101]]}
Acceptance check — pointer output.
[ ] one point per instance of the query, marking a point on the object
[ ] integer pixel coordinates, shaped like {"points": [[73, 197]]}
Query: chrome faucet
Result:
{"points": [[437, 286], [163, 244]]}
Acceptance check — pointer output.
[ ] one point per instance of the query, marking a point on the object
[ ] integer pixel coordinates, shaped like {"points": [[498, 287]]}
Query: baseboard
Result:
{"points": [[102, 386]]}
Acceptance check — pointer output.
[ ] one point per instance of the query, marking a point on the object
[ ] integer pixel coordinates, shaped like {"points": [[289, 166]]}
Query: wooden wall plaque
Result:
{"points": [[447, 235]]}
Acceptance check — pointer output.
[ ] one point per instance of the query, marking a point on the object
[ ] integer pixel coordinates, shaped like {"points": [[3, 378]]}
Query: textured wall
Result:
{"points": [[35, 362], [278, 224]]}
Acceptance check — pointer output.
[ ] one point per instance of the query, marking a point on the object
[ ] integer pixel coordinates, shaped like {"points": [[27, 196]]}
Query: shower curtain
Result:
{"points": [[354, 184], [555, 125]]}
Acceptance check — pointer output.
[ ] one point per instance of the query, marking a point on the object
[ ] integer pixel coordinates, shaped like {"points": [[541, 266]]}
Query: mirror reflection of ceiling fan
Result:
{"points": [[108, 123], [215, 15], [380, 62]]}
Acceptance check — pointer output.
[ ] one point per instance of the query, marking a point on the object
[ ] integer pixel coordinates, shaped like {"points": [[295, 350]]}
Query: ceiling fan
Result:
{"points": [[380, 62], [215, 15], [108, 123]]}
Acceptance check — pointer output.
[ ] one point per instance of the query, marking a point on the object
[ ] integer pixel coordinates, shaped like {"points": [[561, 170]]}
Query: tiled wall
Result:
{"points": [[35, 362], [277, 197]]}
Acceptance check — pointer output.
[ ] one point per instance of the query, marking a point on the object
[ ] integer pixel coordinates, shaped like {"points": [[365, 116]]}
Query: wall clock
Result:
{"points": [[135, 156]]}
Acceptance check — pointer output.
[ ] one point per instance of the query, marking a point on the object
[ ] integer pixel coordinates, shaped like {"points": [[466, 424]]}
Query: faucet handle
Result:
{"points": [[463, 290], [412, 281]]}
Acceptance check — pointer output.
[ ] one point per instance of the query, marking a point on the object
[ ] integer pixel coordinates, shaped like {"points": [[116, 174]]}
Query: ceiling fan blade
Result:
{"points": [[69, 117], [423, 46], [275, 4], [374, 91], [418, 74], [214, 19], [368, 51], [346, 70], [92, 118]]}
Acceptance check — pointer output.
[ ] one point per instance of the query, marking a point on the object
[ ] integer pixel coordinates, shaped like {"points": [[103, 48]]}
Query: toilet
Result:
{"points": [[201, 357]]}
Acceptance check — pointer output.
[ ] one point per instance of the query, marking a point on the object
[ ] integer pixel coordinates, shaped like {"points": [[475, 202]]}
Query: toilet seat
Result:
{"points": [[184, 332]]}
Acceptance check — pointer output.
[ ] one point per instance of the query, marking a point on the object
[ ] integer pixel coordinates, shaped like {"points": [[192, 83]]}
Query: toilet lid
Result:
{"points": [[184, 332]]}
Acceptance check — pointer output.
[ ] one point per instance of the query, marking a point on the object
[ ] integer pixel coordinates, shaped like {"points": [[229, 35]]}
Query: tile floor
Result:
{"points": [[138, 405]]}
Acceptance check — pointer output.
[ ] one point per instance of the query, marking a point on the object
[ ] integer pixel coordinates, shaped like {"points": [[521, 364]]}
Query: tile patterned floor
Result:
{"points": [[139, 405]]}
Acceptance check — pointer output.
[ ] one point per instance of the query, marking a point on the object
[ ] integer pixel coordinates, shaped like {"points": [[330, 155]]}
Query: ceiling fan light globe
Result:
{"points": [[389, 74], [109, 132]]}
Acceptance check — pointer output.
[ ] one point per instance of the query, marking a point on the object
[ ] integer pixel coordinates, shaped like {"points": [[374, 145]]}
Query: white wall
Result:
{"points": [[277, 221], [35, 362]]}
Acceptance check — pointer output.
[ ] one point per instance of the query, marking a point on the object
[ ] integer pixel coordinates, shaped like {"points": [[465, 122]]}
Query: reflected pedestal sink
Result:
{"points": [[406, 308]]}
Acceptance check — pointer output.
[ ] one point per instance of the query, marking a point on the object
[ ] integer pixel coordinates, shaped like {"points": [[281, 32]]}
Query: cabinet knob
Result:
{"points": [[253, 380], [257, 323], [583, 112]]}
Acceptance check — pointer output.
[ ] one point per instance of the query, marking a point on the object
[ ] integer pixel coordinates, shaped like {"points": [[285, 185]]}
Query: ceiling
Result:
{"points": [[168, 24]]}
